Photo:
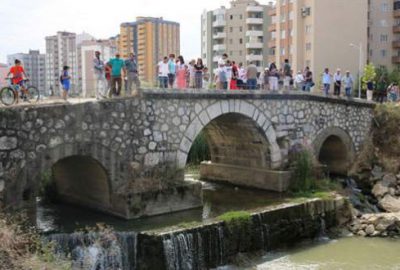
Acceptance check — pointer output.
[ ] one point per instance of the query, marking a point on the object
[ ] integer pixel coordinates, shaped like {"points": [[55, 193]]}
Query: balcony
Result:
{"points": [[219, 35], [254, 33], [396, 13], [272, 28], [254, 45], [254, 9], [219, 23], [272, 12], [219, 47], [396, 59], [220, 11], [254, 21], [254, 57], [271, 44], [216, 58], [396, 44], [396, 29]]}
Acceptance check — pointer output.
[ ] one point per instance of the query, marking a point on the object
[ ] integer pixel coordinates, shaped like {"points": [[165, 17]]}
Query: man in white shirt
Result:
{"points": [[242, 82], [337, 80], [326, 81], [163, 70], [299, 80]]}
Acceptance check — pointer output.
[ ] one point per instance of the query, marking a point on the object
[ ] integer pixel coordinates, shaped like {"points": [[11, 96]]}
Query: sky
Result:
{"points": [[25, 23]]}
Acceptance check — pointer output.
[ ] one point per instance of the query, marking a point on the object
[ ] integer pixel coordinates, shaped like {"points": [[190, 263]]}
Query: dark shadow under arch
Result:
{"points": [[235, 139], [334, 148], [82, 180]]}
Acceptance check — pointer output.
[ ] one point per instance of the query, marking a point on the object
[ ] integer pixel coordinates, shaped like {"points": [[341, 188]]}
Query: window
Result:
{"points": [[384, 38], [241, 16], [241, 29], [383, 53], [385, 7], [283, 34], [231, 17], [308, 46], [308, 29], [383, 23], [241, 41]]}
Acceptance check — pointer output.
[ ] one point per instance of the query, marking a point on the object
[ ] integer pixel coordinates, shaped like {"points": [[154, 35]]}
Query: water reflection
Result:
{"points": [[218, 199]]}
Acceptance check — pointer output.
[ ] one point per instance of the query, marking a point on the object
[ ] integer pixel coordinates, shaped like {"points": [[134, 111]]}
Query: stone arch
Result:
{"points": [[221, 108], [32, 172], [334, 148]]}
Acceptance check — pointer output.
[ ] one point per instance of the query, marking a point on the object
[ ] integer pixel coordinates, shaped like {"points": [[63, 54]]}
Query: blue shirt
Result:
{"points": [[326, 78], [171, 67], [117, 65]]}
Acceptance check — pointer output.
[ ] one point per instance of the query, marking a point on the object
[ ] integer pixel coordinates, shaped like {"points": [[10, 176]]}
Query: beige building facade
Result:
{"points": [[320, 34], [150, 39], [384, 33], [241, 31]]}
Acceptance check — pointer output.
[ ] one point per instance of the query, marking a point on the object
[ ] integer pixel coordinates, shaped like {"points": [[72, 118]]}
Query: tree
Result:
{"points": [[369, 75]]}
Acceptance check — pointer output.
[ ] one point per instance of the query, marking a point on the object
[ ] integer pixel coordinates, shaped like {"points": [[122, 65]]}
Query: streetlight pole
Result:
{"points": [[359, 67]]}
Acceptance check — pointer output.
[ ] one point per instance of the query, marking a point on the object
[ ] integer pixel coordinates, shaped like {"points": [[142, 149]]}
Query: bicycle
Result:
{"points": [[9, 94]]}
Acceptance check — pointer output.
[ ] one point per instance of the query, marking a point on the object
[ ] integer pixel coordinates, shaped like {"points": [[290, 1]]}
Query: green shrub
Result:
{"points": [[199, 151], [303, 172]]}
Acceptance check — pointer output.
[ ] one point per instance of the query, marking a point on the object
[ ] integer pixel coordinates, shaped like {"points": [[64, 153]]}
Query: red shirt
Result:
{"points": [[17, 72]]}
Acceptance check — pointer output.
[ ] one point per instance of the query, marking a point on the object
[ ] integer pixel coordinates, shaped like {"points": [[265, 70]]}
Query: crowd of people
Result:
{"points": [[174, 72]]}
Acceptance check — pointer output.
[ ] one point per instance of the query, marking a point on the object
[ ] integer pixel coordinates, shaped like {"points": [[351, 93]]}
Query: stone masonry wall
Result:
{"points": [[143, 143]]}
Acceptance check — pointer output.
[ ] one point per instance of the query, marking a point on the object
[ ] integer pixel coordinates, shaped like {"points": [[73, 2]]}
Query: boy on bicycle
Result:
{"points": [[18, 74]]}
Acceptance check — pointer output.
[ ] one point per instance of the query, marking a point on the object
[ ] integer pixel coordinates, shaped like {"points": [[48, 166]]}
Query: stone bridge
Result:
{"points": [[127, 156]]}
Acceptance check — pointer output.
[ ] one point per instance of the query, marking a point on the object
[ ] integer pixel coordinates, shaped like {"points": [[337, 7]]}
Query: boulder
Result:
{"points": [[380, 190], [377, 173], [389, 180], [390, 204], [370, 229]]}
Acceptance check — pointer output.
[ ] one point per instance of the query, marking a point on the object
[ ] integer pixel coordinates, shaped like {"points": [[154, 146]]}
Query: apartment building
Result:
{"points": [[34, 65], [61, 50], [150, 39], [241, 31], [86, 55], [319, 34], [384, 33], [3, 74]]}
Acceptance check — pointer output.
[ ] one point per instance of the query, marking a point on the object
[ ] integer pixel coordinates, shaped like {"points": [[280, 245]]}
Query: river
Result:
{"points": [[350, 253]]}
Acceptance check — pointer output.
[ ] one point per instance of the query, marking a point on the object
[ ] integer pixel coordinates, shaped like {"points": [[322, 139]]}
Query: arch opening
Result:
{"points": [[334, 155], [232, 139], [239, 153], [81, 180]]}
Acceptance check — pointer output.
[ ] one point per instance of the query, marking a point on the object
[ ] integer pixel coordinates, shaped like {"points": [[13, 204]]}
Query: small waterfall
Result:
{"points": [[322, 229], [97, 251], [194, 250]]}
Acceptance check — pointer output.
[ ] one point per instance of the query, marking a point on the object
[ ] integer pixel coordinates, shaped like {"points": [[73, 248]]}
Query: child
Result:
{"points": [[65, 80], [18, 74]]}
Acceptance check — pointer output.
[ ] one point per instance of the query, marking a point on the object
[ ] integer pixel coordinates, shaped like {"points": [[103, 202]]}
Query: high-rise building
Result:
{"points": [[61, 50], [86, 55], [241, 31], [318, 34], [34, 65], [384, 33], [150, 39], [3, 74]]}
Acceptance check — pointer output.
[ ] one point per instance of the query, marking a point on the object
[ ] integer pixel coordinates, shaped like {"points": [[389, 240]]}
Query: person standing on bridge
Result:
{"points": [[65, 80], [98, 66], [133, 75], [163, 71], [171, 70], [117, 67], [337, 80], [181, 70], [348, 83], [326, 81]]}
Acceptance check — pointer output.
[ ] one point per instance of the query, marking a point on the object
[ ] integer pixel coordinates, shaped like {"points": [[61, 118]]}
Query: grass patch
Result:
{"points": [[236, 220], [188, 225]]}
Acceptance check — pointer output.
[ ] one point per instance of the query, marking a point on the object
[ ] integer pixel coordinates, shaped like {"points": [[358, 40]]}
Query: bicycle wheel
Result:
{"points": [[33, 94], [7, 96]]}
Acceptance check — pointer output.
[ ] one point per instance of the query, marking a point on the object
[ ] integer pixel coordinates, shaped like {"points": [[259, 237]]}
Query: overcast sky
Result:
{"points": [[25, 23]]}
